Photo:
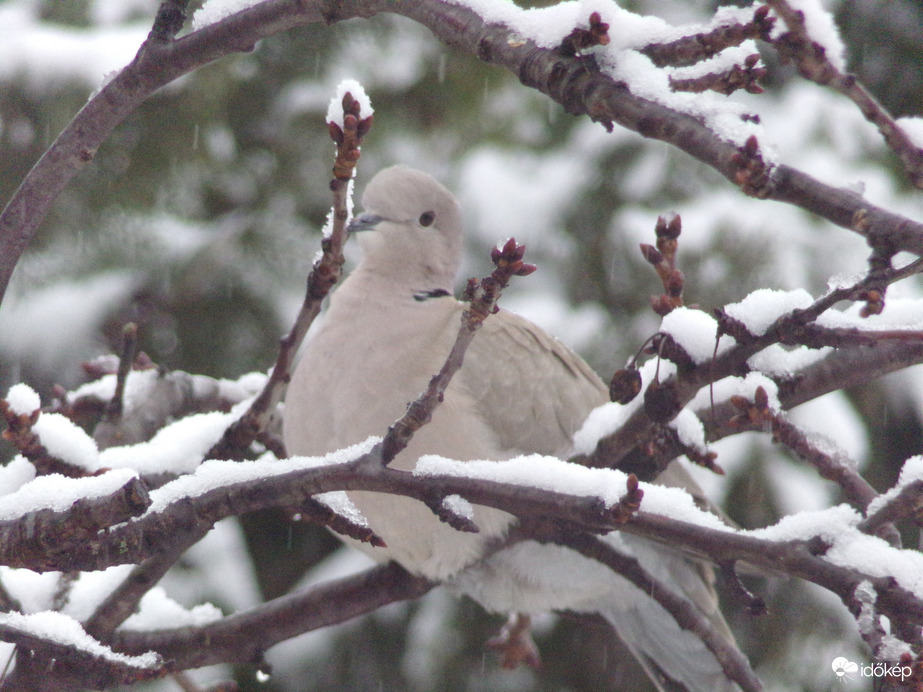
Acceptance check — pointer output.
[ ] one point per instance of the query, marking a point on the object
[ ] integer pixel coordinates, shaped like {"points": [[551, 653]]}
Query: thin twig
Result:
{"points": [[124, 599], [116, 404], [693, 49], [323, 276], [907, 503], [814, 64]]}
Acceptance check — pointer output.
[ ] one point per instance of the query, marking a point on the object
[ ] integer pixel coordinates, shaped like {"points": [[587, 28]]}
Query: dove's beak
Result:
{"points": [[364, 222]]}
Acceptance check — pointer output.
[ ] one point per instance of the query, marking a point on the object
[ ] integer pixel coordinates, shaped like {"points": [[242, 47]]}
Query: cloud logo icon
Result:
{"points": [[841, 666]]}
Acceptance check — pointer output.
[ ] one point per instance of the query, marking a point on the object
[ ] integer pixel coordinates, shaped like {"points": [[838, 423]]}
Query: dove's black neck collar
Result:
{"points": [[420, 296]]}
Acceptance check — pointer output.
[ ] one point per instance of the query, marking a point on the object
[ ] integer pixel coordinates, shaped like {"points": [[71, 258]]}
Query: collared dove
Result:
{"points": [[388, 328]]}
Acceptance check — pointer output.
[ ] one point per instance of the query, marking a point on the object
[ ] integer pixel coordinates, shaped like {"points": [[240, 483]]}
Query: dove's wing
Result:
{"points": [[540, 392]]}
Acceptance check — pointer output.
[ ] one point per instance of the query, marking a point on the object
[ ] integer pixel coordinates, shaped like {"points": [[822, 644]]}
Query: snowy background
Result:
{"points": [[201, 214]]}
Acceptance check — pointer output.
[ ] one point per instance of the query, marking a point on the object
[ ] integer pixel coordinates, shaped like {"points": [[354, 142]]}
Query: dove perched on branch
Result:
{"points": [[388, 328]]}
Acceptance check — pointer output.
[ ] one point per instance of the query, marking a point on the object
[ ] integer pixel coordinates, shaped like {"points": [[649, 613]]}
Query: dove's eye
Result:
{"points": [[427, 218]]}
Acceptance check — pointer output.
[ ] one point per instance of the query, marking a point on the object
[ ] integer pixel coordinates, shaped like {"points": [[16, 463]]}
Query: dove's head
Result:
{"points": [[415, 229]]}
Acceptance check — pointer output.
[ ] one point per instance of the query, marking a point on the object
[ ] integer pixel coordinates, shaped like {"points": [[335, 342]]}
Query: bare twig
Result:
{"points": [[318, 513], [244, 636], [171, 15], [726, 82], [129, 350], [690, 50], [833, 467], [123, 600]]}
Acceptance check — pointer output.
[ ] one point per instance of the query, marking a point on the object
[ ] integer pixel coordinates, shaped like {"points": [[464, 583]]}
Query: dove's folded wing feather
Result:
{"points": [[540, 391]]}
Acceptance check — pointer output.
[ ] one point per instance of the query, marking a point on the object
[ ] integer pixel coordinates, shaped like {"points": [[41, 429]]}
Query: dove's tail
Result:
{"points": [[676, 657]]}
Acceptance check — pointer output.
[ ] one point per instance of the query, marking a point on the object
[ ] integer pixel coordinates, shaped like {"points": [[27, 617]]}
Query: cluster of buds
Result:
{"points": [[751, 172], [348, 138], [751, 413], [508, 259], [483, 294], [663, 259], [581, 39], [19, 429], [630, 502], [19, 433]]}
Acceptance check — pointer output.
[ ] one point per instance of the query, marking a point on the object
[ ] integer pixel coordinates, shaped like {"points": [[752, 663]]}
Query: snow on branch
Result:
{"points": [[77, 660], [696, 351]]}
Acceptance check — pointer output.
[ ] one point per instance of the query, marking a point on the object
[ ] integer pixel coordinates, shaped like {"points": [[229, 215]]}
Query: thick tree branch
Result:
{"points": [[243, 637], [46, 665]]}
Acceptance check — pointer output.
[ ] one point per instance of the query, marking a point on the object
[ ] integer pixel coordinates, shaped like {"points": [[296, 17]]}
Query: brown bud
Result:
{"points": [[348, 102], [661, 401], [625, 385], [514, 251], [526, 269], [675, 283], [336, 133], [741, 403], [662, 305], [509, 254], [651, 254], [471, 288], [364, 126], [668, 227]]}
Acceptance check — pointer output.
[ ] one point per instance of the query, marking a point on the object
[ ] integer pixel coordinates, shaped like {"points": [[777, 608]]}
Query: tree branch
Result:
{"points": [[244, 636], [571, 81]]}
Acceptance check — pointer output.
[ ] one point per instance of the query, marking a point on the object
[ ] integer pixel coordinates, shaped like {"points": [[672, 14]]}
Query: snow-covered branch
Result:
{"points": [[575, 81]]}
